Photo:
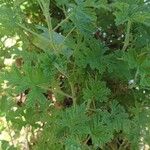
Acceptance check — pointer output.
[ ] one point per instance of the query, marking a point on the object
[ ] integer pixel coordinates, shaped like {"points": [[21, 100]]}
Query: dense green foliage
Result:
{"points": [[80, 74]]}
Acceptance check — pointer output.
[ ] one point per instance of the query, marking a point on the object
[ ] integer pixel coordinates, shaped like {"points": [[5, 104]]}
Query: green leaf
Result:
{"points": [[83, 18], [35, 96], [3, 105], [47, 41], [96, 90], [131, 11], [91, 55]]}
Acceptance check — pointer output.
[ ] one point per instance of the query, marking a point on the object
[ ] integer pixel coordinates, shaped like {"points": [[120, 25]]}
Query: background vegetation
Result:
{"points": [[74, 74]]}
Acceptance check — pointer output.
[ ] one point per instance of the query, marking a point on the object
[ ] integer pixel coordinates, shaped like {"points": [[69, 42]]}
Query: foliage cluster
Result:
{"points": [[80, 73]]}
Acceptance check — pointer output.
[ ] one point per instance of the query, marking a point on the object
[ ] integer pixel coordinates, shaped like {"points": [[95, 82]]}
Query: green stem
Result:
{"points": [[62, 22], [30, 31], [62, 44], [88, 104], [87, 139], [62, 93], [45, 8], [73, 94], [55, 91], [136, 74], [127, 36]]}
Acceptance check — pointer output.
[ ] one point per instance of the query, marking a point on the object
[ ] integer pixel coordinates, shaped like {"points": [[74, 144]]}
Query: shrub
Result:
{"points": [[79, 77]]}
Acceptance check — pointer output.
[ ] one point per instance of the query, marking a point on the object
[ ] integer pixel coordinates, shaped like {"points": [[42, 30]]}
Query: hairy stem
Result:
{"points": [[56, 91], [73, 93], [63, 21], [45, 8], [127, 36]]}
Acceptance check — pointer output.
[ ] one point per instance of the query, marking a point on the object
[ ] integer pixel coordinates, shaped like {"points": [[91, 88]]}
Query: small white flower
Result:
{"points": [[104, 34], [131, 82], [122, 35], [137, 88]]}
